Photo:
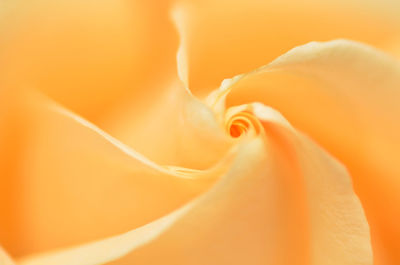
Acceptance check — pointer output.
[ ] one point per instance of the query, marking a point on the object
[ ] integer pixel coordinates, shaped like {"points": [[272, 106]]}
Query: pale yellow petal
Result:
{"points": [[107, 250], [225, 37], [345, 96], [190, 137], [393, 47], [174, 128], [152, 233], [69, 182], [283, 201], [339, 232], [178, 17], [5, 258]]}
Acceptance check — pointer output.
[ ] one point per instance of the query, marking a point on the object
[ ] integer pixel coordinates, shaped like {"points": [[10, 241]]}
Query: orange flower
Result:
{"points": [[109, 155]]}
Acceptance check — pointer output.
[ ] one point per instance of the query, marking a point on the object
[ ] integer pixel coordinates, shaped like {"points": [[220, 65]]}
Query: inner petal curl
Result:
{"points": [[240, 121]]}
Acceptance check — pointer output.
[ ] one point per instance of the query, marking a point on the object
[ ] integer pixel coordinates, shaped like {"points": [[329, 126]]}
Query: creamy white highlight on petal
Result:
{"points": [[46, 104], [5, 258], [177, 15], [106, 250]]}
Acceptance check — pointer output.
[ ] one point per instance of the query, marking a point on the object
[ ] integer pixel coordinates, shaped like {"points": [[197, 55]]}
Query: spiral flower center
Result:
{"points": [[241, 122]]}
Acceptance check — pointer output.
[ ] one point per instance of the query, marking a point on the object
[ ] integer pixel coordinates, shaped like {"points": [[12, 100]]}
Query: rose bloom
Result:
{"points": [[200, 132]]}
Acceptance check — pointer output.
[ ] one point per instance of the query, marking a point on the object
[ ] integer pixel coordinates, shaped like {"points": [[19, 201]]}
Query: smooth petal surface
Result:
{"points": [[339, 232], [171, 128], [152, 256], [107, 250], [393, 47], [225, 38], [69, 182], [345, 96], [283, 201], [88, 55]]}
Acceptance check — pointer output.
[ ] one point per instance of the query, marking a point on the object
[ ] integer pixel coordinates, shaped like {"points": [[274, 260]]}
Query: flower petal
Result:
{"points": [[283, 201], [338, 227], [171, 127], [345, 96], [87, 55], [393, 46], [154, 232], [178, 17], [69, 182], [4, 258], [225, 38], [107, 250]]}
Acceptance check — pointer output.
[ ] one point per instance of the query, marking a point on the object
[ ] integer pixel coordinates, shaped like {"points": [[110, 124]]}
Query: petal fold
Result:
{"points": [[283, 201], [345, 96], [224, 38], [64, 174]]}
